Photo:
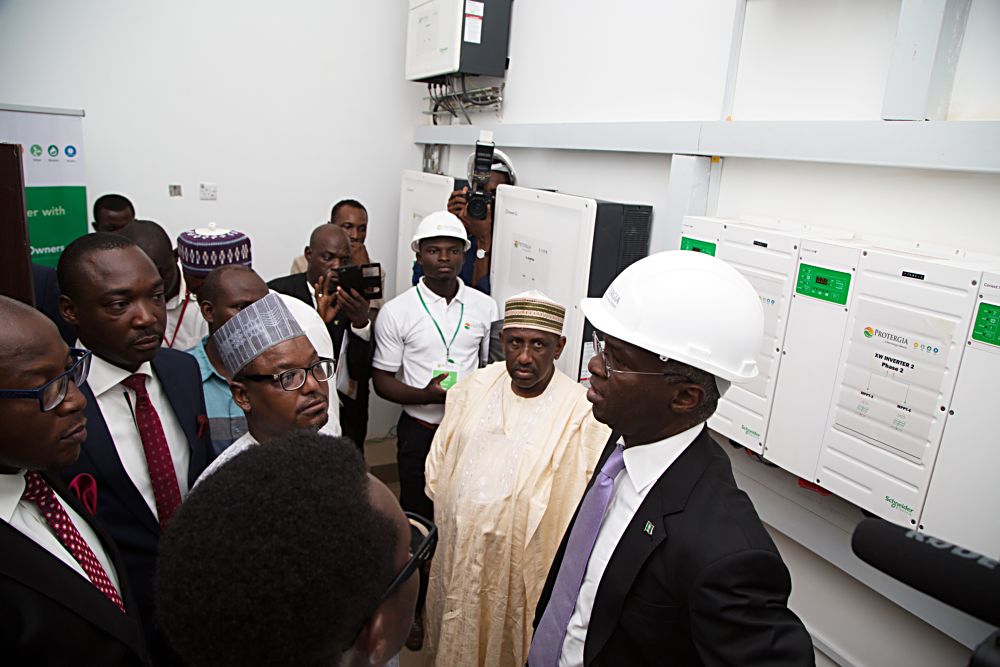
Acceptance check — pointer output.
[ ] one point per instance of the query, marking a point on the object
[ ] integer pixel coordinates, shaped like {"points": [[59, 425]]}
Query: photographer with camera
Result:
{"points": [[488, 169], [331, 285]]}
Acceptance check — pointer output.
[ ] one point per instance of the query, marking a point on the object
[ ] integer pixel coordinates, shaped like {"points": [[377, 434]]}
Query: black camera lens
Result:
{"points": [[476, 207]]}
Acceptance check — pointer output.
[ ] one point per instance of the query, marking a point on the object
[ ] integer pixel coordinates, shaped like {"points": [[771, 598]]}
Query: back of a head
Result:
{"points": [[77, 251], [215, 283], [112, 202], [277, 558], [149, 236]]}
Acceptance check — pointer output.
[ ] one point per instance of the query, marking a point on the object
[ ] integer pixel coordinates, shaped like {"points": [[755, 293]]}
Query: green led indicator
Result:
{"points": [[987, 326], [697, 245], [823, 284]]}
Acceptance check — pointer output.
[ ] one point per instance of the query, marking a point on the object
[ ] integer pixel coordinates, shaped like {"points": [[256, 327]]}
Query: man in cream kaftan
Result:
{"points": [[505, 472]]}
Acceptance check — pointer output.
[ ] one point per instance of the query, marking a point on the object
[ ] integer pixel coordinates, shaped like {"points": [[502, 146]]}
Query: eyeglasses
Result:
{"points": [[294, 378], [51, 394], [599, 351], [424, 530], [428, 534]]}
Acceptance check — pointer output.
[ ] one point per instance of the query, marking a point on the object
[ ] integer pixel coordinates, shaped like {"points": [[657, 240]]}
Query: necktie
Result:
{"points": [[39, 492], [162, 474], [546, 645]]}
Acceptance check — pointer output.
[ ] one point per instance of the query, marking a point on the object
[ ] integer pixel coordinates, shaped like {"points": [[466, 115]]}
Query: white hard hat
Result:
{"points": [[501, 163], [686, 306], [440, 223]]}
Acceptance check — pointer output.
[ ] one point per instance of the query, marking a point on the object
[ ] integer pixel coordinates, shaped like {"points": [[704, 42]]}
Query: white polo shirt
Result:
{"points": [[406, 337]]}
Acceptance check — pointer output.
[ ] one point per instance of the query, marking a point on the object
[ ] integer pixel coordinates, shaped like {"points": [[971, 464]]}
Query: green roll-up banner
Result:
{"points": [[54, 191]]}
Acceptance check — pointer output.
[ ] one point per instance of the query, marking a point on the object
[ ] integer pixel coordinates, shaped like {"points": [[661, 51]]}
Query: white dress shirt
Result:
{"points": [[25, 517], [105, 380], [644, 465], [185, 325], [405, 337]]}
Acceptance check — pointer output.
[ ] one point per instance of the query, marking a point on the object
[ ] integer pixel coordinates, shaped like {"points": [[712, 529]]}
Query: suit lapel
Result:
{"points": [[103, 454], [178, 395], [33, 566], [668, 496]]}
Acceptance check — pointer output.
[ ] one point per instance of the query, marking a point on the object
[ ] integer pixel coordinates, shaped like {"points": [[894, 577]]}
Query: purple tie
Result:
{"points": [[546, 645]]}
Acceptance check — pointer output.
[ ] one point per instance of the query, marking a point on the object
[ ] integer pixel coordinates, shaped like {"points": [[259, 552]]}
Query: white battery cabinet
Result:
{"points": [[420, 194], [898, 365], [817, 321], [964, 494], [767, 258]]}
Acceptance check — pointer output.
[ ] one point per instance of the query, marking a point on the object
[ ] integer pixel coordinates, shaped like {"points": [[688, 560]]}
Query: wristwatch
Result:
{"points": [[482, 254]]}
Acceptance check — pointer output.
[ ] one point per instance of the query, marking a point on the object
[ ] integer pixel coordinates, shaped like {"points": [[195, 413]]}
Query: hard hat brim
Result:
{"points": [[415, 243], [602, 317]]}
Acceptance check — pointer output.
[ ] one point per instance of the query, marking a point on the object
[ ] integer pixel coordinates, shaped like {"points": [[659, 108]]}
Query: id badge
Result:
{"points": [[449, 368]]}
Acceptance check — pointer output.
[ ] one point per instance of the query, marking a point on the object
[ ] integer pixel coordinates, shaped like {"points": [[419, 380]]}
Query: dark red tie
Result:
{"points": [[162, 473], [39, 492]]}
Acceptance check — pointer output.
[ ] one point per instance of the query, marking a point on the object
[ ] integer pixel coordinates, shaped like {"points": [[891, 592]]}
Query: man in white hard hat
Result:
{"points": [[437, 332], [666, 560]]}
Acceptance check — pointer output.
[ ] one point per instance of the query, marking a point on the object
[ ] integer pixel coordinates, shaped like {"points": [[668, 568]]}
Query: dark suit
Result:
{"points": [[120, 505], [708, 587], [50, 615], [47, 300], [354, 413]]}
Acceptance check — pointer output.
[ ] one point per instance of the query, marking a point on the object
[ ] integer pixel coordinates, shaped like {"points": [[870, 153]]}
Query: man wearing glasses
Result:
{"points": [[319, 565], [63, 585], [278, 379], [666, 561]]}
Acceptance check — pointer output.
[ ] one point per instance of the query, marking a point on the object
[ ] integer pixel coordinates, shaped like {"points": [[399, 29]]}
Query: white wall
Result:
{"points": [[638, 60], [288, 108], [976, 95], [815, 59]]}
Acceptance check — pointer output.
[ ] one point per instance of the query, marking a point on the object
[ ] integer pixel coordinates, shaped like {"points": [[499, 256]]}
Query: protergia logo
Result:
{"points": [[888, 336]]}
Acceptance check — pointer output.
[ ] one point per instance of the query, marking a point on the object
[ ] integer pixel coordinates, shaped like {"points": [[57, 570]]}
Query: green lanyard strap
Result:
{"points": [[447, 344]]}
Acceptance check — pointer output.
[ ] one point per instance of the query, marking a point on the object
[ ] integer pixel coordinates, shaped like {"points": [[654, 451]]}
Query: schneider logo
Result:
{"points": [[896, 505], [887, 336], [749, 431]]}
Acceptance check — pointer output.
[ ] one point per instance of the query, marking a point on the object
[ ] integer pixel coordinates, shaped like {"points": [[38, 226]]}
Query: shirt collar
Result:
{"points": [[11, 490], [105, 376], [646, 463], [204, 363], [312, 290], [182, 292], [431, 297]]}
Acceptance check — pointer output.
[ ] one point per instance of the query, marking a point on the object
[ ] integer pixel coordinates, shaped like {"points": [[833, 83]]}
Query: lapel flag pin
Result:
{"points": [[649, 528]]}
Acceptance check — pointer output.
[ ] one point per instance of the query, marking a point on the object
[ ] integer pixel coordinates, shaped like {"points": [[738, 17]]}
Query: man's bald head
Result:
{"points": [[156, 243], [23, 329], [228, 290], [31, 355], [329, 248]]}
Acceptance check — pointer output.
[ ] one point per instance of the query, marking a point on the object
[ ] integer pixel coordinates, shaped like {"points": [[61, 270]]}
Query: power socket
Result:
{"points": [[208, 191]]}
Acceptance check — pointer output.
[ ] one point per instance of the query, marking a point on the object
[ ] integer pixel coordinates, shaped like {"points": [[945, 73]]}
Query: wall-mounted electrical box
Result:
{"points": [[905, 337], [548, 241], [456, 37], [700, 234], [767, 258], [825, 279], [419, 195], [964, 496]]}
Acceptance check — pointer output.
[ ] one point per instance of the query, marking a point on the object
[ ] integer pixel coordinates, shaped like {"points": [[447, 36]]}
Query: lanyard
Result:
{"points": [[447, 344], [173, 339]]}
